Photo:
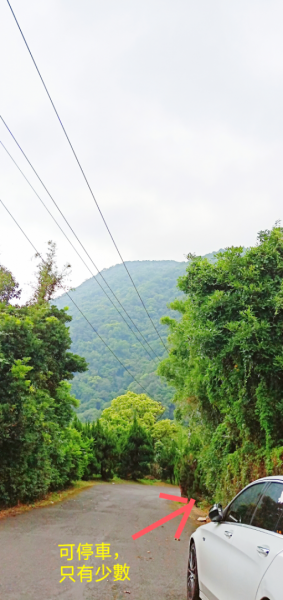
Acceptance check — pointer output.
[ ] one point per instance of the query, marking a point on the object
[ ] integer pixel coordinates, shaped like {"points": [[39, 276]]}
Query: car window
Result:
{"points": [[242, 508], [269, 513]]}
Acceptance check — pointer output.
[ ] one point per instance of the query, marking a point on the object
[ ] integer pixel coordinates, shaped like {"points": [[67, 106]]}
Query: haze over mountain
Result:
{"points": [[106, 378]]}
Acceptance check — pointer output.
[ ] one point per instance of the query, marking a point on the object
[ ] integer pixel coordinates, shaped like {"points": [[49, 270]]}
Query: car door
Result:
{"points": [[218, 556], [255, 545]]}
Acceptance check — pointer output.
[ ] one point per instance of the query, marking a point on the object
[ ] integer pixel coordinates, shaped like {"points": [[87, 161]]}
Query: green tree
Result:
{"points": [[105, 450], [165, 458], [49, 279], [137, 452], [165, 430], [120, 415], [226, 364], [9, 288]]}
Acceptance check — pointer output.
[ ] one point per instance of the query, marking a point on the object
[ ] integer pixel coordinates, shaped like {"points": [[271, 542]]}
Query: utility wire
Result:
{"points": [[81, 258], [83, 174], [73, 232], [75, 304]]}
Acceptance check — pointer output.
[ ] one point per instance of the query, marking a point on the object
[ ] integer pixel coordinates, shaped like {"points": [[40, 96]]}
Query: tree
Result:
{"points": [[165, 457], [48, 277], [165, 430], [137, 452], [120, 415], [9, 288], [226, 364], [104, 450]]}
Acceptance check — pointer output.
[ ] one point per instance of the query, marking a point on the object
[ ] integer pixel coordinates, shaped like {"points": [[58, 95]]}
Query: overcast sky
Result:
{"points": [[174, 109]]}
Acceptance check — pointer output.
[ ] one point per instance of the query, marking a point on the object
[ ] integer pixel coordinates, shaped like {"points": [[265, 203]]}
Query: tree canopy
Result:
{"points": [[9, 288], [124, 409]]}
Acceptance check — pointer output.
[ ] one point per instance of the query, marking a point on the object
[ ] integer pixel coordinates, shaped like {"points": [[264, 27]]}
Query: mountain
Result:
{"points": [[106, 378]]}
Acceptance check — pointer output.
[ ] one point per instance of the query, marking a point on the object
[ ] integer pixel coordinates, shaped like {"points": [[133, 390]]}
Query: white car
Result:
{"points": [[239, 554]]}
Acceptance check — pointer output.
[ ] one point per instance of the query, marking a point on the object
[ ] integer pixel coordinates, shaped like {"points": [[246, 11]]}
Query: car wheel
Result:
{"points": [[192, 578]]}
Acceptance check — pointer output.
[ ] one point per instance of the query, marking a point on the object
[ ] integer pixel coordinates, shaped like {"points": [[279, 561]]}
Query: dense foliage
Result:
{"points": [[226, 363], [38, 449]]}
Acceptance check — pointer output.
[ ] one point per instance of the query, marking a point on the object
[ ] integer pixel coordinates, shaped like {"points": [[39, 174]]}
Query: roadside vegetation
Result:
{"points": [[39, 451], [226, 365]]}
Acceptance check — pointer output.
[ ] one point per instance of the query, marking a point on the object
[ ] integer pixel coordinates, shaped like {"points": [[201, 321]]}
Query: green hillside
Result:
{"points": [[106, 379]]}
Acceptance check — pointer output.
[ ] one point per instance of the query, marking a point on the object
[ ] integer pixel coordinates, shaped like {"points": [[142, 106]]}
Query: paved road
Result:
{"points": [[30, 558]]}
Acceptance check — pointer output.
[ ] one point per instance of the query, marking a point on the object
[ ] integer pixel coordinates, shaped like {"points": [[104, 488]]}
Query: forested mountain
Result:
{"points": [[106, 379]]}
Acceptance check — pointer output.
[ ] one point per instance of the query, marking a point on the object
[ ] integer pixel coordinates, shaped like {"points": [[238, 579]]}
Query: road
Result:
{"points": [[30, 563]]}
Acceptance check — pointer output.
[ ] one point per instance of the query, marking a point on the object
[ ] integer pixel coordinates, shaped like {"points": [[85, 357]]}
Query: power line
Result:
{"points": [[83, 174], [81, 258], [73, 232], [75, 304]]}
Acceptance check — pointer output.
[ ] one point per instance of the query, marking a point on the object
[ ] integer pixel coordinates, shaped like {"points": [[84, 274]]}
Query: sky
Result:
{"points": [[175, 111]]}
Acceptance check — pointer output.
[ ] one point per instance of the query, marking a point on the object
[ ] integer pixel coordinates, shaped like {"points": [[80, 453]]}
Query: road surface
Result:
{"points": [[30, 563]]}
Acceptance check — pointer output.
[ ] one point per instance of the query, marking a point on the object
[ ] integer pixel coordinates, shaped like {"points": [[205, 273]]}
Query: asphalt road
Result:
{"points": [[30, 563]]}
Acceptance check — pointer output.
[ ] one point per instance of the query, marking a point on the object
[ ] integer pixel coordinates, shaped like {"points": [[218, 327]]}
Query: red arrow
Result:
{"points": [[186, 509]]}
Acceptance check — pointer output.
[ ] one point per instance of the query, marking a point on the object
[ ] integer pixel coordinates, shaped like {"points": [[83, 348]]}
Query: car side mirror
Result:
{"points": [[216, 513]]}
